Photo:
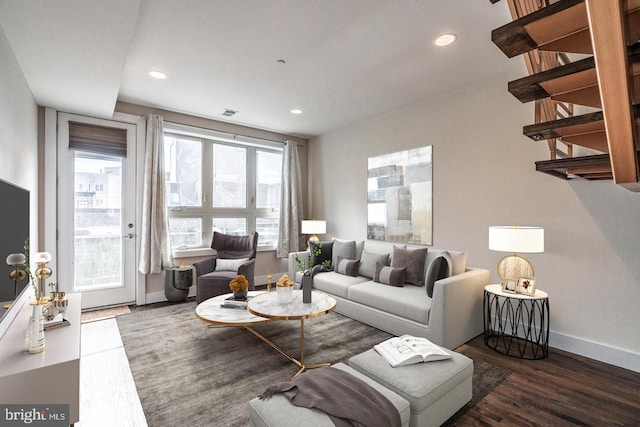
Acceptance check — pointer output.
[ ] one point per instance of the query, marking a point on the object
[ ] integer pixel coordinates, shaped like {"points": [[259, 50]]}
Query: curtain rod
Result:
{"points": [[233, 135]]}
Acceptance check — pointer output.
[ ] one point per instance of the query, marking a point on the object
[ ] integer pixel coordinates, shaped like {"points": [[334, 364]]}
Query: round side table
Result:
{"points": [[516, 325], [177, 282]]}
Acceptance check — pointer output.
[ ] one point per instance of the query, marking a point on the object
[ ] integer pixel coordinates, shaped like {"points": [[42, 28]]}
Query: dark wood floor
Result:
{"points": [[563, 389]]}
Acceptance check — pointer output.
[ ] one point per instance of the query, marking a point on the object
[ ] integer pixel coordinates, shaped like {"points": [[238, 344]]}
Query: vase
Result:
{"points": [[307, 281], [241, 294], [284, 293], [35, 330]]}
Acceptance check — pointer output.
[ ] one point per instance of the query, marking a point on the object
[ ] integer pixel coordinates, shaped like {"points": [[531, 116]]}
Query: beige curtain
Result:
{"points": [[290, 202], [155, 249]]}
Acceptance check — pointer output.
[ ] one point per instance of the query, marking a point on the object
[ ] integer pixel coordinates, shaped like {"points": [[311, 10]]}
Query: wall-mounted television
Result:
{"points": [[14, 230]]}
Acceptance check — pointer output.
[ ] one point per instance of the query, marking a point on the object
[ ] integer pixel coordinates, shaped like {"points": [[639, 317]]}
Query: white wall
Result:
{"points": [[18, 130], [484, 174]]}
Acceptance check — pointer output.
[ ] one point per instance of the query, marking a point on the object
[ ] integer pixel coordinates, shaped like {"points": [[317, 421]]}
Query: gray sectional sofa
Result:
{"points": [[443, 302]]}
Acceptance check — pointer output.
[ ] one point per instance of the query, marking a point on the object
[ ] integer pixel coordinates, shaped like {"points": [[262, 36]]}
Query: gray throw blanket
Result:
{"points": [[347, 400]]}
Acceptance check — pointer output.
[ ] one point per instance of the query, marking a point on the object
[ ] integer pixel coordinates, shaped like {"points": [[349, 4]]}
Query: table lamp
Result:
{"points": [[314, 228], [516, 239], [42, 273]]}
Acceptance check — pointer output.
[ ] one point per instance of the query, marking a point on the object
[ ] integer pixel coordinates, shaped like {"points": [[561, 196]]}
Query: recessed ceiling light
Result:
{"points": [[296, 111], [157, 74], [445, 39]]}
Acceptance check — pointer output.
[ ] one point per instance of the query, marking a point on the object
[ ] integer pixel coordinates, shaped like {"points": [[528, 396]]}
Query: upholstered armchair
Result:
{"points": [[235, 255]]}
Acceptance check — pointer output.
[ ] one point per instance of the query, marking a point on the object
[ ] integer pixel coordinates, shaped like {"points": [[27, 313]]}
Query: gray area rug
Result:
{"points": [[188, 374]]}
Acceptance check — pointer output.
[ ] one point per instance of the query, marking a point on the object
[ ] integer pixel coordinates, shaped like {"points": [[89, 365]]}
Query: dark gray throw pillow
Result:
{"points": [[389, 275], [348, 267], [413, 260], [323, 249], [368, 263], [437, 269]]}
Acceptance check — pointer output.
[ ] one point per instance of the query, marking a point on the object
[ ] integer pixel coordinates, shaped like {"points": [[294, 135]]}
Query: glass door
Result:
{"points": [[97, 233]]}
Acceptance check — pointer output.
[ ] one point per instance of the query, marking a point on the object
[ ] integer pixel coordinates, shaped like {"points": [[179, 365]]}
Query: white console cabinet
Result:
{"points": [[50, 377]]}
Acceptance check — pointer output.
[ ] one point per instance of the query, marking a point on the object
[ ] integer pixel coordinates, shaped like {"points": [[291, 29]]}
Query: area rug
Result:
{"points": [[188, 374]]}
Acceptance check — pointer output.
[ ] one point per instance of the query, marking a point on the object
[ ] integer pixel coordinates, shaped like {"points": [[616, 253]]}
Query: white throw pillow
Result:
{"points": [[229, 264]]}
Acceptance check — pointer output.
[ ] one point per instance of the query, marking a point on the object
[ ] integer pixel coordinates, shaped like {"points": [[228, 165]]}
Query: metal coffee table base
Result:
{"points": [[300, 363]]}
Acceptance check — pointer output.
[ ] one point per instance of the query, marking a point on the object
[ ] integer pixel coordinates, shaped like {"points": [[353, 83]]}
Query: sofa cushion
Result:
{"points": [[410, 302], [346, 266], [344, 249], [368, 263], [336, 284], [389, 275], [320, 252], [411, 259], [437, 269]]}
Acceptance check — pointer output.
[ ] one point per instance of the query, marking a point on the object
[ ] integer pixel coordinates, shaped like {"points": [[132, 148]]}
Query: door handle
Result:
{"points": [[130, 235]]}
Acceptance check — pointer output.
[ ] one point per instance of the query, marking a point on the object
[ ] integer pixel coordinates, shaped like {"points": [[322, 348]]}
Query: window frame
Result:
{"points": [[206, 212]]}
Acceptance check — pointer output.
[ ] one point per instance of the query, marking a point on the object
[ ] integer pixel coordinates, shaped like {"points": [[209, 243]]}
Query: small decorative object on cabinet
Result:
{"points": [[18, 274], [35, 331]]}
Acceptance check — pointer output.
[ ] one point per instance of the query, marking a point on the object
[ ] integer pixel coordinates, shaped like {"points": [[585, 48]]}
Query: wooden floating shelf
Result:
{"points": [[560, 27], [575, 83]]}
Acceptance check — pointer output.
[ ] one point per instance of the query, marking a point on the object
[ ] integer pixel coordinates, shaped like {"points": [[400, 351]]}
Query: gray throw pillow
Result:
{"points": [[437, 269], [348, 267], [389, 275], [343, 249], [411, 259], [324, 252], [368, 263]]}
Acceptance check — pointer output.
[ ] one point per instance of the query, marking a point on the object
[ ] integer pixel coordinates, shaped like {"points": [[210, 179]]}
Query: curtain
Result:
{"points": [[155, 248], [290, 202]]}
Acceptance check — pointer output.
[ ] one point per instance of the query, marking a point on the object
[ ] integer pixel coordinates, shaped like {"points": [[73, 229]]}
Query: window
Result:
{"points": [[216, 185]]}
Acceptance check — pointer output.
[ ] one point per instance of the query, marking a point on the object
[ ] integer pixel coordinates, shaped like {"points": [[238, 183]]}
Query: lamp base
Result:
{"points": [[515, 266]]}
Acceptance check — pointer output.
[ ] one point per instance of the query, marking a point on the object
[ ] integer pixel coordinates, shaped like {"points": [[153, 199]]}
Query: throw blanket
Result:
{"points": [[347, 400]]}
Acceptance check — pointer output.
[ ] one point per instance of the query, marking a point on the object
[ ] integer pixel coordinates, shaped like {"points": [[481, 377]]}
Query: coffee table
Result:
{"points": [[262, 308], [266, 305]]}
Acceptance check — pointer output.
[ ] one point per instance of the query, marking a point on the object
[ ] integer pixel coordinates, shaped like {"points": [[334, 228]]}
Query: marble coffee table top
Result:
{"points": [[210, 311], [266, 305]]}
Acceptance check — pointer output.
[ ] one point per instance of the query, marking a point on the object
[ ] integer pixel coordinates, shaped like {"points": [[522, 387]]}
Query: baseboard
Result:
{"points": [[603, 353], [158, 296]]}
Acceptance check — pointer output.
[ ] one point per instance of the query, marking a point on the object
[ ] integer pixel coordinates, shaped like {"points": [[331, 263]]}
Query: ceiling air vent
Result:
{"points": [[229, 113]]}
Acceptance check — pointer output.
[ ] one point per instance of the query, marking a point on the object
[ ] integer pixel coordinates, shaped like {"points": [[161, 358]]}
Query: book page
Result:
{"points": [[425, 348]]}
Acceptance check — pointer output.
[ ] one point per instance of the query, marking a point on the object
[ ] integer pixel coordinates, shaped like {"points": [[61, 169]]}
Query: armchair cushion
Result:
{"points": [[229, 264], [411, 259], [368, 263], [393, 276], [348, 267]]}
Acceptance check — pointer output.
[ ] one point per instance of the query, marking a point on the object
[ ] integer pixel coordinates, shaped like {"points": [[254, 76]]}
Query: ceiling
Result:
{"points": [[346, 61]]}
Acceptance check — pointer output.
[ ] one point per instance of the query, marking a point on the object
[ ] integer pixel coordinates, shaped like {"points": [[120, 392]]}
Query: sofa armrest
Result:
{"points": [[456, 308], [205, 266], [293, 266]]}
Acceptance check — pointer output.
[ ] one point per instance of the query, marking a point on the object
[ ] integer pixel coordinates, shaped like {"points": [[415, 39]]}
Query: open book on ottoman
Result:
{"points": [[407, 350]]}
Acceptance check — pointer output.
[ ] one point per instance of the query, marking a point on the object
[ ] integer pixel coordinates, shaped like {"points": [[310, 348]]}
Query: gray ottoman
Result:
{"points": [[435, 390], [280, 412]]}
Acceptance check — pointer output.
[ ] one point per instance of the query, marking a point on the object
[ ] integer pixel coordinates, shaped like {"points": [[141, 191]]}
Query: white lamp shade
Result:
{"points": [[42, 257], [516, 239], [314, 227], [16, 259]]}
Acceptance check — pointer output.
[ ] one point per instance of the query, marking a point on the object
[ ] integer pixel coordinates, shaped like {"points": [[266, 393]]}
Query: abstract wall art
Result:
{"points": [[400, 196]]}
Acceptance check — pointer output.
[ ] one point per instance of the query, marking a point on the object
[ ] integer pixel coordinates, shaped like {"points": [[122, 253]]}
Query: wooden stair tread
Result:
{"points": [[560, 27], [575, 83], [596, 167], [587, 130]]}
